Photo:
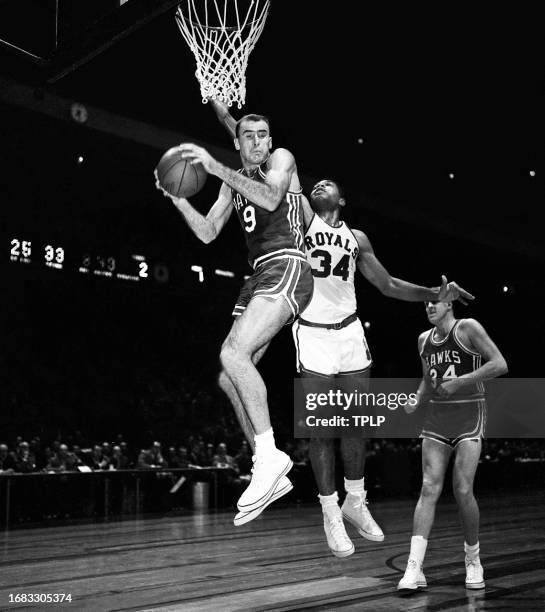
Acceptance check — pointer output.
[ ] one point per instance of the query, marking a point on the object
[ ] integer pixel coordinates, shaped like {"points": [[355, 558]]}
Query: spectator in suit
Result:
{"points": [[119, 461], [7, 461], [62, 461], [144, 461], [25, 461], [124, 446], [209, 454], [157, 459], [222, 460], [97, 460]]}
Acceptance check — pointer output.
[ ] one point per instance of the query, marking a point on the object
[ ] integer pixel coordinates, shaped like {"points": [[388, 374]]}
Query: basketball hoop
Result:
{"points": [[222, 37]]}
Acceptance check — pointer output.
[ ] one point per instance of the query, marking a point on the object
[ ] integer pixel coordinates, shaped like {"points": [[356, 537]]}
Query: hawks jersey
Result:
{"points": [[270, 231], [332, 252], [449, 358]]}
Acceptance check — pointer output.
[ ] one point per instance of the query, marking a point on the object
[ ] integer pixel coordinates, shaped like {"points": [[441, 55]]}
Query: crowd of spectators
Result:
{"points": [[197, 452], [23, 457]]}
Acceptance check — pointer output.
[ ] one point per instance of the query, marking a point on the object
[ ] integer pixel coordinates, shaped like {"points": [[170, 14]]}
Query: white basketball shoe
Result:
{"points": [[337, 539], [413, 578], [284, 486], [474, 574], [266, 474], [355, 511]]}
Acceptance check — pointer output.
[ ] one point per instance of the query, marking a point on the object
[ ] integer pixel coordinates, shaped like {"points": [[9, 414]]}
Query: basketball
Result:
{"points": [[178, 176]]}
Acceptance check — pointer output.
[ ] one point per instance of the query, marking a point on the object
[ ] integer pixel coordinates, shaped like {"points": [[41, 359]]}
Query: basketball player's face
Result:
{"points": [[437, 311], [325, 195], [254, 142]]}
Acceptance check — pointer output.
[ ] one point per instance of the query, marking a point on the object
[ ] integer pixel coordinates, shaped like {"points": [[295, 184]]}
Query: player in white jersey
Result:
{"points": [[330, 343]]}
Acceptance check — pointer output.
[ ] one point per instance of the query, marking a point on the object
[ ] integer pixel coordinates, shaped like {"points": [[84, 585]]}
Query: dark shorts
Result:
{"points": [[289, 278], [452, 422]]}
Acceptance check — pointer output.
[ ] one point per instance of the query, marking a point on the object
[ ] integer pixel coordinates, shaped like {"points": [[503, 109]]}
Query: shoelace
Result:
{"points": [[412, 566], [471, 568], [336, 527], [257, 463], [361, 501], [361, 506]]}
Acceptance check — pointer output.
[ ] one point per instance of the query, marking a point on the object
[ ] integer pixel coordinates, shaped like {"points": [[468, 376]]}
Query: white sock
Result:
{"points": [[330, 503], [418, 548], [355, 487], [264, 443], [472, 552]]}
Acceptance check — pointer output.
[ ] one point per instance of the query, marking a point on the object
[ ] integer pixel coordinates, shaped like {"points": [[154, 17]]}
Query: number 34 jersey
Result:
{"points": [[450, 358], [332, 253], [279, 231]]}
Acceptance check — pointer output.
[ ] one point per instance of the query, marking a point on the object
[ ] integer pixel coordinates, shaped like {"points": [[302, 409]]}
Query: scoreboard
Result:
{"points": [[131, 267], [100, 262]]}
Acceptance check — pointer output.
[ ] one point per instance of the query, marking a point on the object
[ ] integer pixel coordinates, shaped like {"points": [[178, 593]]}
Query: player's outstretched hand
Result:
{"points": [[449, 292], [198, 155], [220, 105]]}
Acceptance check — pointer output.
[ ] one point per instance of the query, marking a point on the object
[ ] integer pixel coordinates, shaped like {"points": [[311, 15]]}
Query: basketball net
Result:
{"points": [[221, 49]]}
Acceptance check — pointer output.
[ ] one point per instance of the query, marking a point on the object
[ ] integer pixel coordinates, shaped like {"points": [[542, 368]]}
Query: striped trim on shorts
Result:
{"points": [[279, 276], [433, 429]]}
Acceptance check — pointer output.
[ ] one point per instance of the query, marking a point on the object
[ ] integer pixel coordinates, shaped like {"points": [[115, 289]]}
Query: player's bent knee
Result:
{"points": [[223, 380], [232, 356], [226, 359]]}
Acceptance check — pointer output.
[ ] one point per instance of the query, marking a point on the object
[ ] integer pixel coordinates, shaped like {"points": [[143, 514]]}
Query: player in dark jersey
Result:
{"points": [[266, 194], [452, 353]]}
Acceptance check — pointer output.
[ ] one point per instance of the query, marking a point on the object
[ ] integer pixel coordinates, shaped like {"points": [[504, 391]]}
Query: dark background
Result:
{"points": [[456, 90]]}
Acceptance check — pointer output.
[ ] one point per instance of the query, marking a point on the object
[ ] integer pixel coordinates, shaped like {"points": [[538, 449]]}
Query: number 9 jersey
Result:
{"points": [[332, 252], [279, 231]]}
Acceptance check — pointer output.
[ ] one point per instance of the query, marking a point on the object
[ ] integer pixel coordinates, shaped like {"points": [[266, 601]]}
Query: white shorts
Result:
{"points": [[331, 351]]}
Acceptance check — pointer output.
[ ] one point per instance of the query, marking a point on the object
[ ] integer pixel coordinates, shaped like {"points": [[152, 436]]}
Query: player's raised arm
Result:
{"points": [[376, 273], [268, 195], [205, 228], [308, 213], [224, 117]]}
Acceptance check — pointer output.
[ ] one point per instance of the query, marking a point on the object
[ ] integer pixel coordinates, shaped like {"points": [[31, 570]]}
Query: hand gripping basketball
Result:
{"points": [[177, 176], [197, 155]]}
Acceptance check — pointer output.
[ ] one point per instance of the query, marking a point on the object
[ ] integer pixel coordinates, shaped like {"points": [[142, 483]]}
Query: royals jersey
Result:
{"points": [[332, 252], [449, 358], [279, 231]]}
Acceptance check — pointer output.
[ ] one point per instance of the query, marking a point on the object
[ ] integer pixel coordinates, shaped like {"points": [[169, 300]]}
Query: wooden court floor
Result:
{"points": [[280, 561]]}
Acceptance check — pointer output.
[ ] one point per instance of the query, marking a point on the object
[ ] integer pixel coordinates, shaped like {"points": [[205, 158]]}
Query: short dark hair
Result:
{"points": [[251, 117]]}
